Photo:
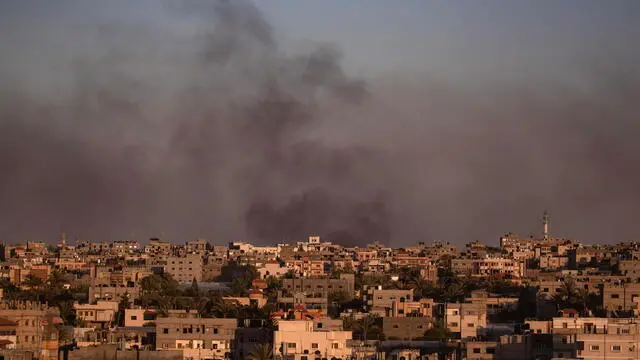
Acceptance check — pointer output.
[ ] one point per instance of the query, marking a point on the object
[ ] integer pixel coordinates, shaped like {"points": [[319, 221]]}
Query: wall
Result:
{"points": [[109, 352]]}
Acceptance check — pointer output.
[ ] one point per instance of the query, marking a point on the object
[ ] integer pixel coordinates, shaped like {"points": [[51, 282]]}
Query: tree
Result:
{"points": [[261, 352], [33, 282], [368, 327], [438, 331], [223, 308], [193, 290], [125, 303]]}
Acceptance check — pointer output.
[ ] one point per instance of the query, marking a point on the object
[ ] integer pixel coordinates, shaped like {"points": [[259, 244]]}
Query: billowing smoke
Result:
{"points": [[217, 132]]}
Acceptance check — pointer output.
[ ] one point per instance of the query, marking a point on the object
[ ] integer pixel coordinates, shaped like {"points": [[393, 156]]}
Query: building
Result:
{"points": [[198, 338], [300, 340], [381, 302], [464, 320], [35, 327], [139, 317], [405, 328], [185, 269], [620, 297], [8, 332]]}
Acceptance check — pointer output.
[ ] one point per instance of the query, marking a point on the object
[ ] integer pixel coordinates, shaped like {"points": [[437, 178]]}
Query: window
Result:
{"points": [[215, 330], [291, 345], [594, 348], [334, 346], [165, 330], [314, 345], [491, 350], [615, 296], [565, 325], [615, 348], [453, 324], [303, 358], [476, 351], [471, 325], [134, 317], [319, 326]]}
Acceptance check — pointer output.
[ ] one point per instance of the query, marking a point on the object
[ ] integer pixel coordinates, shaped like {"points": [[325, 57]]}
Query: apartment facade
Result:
{"points": [[185, 269], [198, 338], [300, 340]]}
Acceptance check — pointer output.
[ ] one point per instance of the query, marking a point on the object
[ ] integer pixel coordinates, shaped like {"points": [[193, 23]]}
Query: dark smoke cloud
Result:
{"points": [[220, 134]]}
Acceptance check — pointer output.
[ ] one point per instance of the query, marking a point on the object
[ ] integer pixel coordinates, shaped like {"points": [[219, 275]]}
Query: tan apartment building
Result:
{"points": [[185, 269], [405, 328], [300, 340], [620, 297], [100, 314], [422, 308], [464, 320], [596, 338], [552, 262], [139, 317], [493, 304], [8, 334], [198, 338], [507, 347], [35, 327], [629, 268], [345, 284], [380, 302]]}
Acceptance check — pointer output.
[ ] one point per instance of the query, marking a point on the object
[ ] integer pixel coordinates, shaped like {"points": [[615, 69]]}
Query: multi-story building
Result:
{"points": [[185, 269], [622, 297], [379, 301], [35, 327], [139, 317], [464, 320], [198, 338], [101, 314], [301, 340], [405, 328], [8, 334]]}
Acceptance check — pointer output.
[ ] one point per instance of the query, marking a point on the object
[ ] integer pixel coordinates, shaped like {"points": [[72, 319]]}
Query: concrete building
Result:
{"points": [[464, 320], [101, 314], [198, 338], [493, 304], [139, 317], [381, 301], [185, 269], [35, 327], [8, 334], [405, 328], [620, 297], [300, 340]]}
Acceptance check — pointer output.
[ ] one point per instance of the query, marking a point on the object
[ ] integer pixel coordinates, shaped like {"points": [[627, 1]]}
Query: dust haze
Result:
{"points": [[218, 133]]}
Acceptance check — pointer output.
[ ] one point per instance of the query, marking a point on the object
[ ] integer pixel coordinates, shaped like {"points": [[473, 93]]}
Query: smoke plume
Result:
{"points": [[217, 132]]}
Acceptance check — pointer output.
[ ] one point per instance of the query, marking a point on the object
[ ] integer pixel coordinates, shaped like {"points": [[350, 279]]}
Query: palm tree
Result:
{"points": [[33, 282], [261, 352], [223, 308], [567, 295]]}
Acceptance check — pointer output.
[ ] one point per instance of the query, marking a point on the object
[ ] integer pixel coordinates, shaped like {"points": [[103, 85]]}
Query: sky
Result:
{"points": [[423, 120]]}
